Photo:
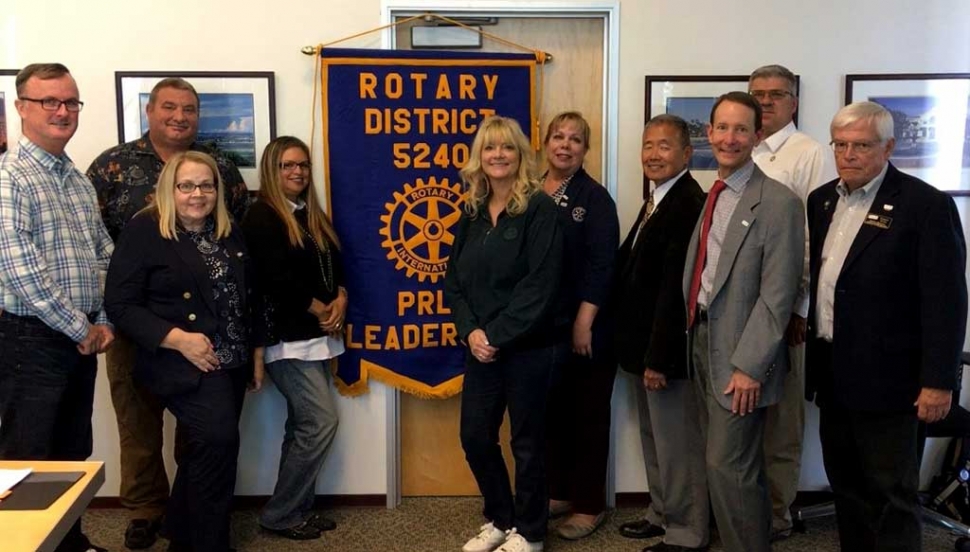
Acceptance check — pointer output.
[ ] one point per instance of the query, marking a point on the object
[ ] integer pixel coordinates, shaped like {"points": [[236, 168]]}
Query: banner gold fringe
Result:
{"points": [[443, 390]]}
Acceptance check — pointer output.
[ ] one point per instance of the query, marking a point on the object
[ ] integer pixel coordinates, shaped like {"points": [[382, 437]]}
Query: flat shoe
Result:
{"points": [[572, 530], [303, 531], [558, 511], [322, 523]]}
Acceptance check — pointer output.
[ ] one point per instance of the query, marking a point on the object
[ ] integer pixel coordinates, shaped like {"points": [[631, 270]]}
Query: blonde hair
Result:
{"points": [[271, 192], [163, 208], [500, 130]]}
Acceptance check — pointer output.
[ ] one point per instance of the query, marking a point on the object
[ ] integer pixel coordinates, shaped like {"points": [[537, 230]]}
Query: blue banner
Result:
{"points": [[397, 126]]}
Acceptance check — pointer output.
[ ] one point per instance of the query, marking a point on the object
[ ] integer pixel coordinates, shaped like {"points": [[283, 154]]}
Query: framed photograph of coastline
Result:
{"points": [[237, 111], [931, 120], [8, 113], [691, 98]]}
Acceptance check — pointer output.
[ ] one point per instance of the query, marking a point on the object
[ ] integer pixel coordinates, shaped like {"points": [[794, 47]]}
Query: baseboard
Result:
{"points": [[251, 502], [641, 500]]}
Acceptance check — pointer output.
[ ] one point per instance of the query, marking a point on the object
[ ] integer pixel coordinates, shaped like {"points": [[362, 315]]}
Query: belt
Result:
{"points": [[701, 314]]}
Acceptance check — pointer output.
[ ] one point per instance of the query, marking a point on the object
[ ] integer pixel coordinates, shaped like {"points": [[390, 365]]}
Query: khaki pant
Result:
{"points": [[784, 429], [144, 483]]}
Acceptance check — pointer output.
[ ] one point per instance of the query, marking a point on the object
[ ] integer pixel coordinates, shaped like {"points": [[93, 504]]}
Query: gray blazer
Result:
{"points": [[754, 290]]}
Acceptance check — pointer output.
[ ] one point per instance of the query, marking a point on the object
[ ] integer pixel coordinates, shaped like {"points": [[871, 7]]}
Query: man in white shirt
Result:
{"points": [[802, 164]]}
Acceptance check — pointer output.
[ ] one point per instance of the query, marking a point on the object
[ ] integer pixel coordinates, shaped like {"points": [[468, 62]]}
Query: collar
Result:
{"points": [[739, 179], [660, 190], [294, 207], [866, 191], [778, 139], [61, 164]]}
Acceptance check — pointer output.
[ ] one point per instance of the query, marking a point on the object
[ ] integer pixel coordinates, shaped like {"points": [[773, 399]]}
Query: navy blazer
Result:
{"points": [[900, 300], [155, 285], [650, 315]]}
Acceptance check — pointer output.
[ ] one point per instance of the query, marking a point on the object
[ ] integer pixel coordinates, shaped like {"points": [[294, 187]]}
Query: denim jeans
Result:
{"points": [[311, 424], [46, 398], [519, 381]]}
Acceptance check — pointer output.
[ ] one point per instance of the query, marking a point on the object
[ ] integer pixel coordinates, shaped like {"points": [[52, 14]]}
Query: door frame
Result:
{"points": [[609, 12]]}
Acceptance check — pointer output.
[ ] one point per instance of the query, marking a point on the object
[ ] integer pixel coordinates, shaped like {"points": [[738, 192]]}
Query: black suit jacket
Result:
{"points": [[155, 285], [900, 300], [650, 317]]}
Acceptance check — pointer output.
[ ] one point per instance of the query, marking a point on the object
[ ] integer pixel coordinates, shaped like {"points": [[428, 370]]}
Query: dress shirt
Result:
{"points": [[659, 191], [850, 213], [802, 164], [727, 202], [125, 176], [54, 248], [317, 348]]}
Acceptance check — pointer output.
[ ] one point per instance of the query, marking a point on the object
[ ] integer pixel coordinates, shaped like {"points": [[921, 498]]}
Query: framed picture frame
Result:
{"points": [[237, 111], [691, 97], [931, 116], [8, 114]]}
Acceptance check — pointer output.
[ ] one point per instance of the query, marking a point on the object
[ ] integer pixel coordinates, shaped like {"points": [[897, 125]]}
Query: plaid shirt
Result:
{"points": [[54, 249], [125, 176]]}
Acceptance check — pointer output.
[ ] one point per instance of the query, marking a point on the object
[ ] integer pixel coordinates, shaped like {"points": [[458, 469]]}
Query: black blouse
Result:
{"points": [[231, 340]]}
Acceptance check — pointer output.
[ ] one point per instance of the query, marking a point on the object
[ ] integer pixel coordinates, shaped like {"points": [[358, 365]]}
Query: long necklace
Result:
{"points": [[326, 273]]}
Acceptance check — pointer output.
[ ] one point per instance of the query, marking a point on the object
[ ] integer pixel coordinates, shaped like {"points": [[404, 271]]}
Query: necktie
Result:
{"points": [[647, 211], [695, 282]]}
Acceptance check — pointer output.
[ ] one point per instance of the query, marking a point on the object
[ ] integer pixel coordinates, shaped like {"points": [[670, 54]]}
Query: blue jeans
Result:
{"points": [[519, 381], [46, 398], [311, 424]]}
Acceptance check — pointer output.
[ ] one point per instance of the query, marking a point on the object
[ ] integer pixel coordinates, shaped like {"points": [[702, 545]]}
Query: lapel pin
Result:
{"points": [[873, 217], [744, 223], [887, 207], [826, 204]]}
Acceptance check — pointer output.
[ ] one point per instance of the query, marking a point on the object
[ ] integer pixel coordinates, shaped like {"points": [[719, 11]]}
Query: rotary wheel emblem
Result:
{"points": [[418, 226]]}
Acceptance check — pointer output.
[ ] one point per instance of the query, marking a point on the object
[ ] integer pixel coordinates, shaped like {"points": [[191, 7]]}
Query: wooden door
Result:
{"points": [[432, 461]]}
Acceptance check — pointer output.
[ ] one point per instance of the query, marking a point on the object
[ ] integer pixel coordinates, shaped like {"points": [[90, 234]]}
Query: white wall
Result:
{"points": [[821, 41]]}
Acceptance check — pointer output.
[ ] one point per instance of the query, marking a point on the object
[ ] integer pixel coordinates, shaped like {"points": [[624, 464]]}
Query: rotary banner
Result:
{"points": [[397, 126]]}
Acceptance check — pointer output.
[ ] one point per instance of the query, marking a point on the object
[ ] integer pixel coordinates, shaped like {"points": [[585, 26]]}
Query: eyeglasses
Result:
{"points": [[775, 95], [53, 104], [190, 187], [292, 165], [862, 148]]}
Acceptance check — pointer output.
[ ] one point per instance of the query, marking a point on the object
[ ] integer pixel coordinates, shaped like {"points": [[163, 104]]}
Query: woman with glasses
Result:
{"points": [[299, 278], [178, 286]]}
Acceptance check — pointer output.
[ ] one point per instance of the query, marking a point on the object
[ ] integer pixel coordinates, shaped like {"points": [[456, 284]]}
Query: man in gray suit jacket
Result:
{"points": [[744, 265]]}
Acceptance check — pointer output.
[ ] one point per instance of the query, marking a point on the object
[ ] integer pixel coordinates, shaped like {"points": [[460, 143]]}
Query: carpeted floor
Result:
{"points": [[444, 524]]}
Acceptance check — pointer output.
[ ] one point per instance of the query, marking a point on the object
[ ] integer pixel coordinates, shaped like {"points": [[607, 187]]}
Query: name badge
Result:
{"points": [[879, 221]]}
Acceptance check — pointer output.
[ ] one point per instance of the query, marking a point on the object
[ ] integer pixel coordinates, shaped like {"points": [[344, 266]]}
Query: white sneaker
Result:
{"points": [[515, 542], [488, 539]]}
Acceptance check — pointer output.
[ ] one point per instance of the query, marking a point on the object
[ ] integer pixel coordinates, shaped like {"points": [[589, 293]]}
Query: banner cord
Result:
{"points": [[541, 59]]}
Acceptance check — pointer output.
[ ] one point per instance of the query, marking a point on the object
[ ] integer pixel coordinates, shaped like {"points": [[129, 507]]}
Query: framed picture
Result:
{"points": [[691, 98], [237, 111], [8, 114], [931, 119]]}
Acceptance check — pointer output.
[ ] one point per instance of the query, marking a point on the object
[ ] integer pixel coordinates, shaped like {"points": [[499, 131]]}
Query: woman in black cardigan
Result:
{"points": [[299, 279], [579, 405], [177, 285]]}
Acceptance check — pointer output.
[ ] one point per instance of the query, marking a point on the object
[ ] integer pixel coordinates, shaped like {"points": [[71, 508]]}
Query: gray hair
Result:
{"points": [[673, 122], [870, 112], [779, 71]]}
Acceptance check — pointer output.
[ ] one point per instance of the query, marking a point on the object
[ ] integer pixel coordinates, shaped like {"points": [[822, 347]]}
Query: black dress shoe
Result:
{"points": [[664, 547], [141, 533], [641, 529], [303, 531], [322, 523]]}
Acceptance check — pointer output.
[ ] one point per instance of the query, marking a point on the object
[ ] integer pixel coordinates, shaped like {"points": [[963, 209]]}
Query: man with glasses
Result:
{"points": [[887, 323], [801, 163], [125, 177], [54, 253]]}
